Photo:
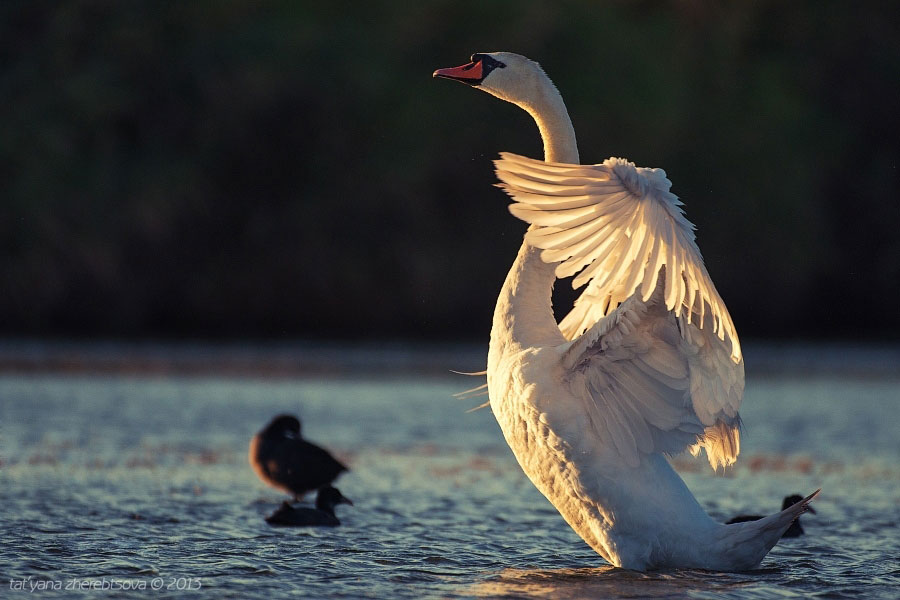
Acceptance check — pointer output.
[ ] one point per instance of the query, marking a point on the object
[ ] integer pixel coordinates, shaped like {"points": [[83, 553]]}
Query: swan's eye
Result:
{"points": [[494, 63], [488, 63]]}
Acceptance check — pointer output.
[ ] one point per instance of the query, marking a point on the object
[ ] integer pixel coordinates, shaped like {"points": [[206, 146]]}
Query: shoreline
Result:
{"points": [[390, 359]]}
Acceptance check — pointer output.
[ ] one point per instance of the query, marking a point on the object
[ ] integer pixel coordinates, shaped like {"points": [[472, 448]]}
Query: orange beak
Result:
{"points": [[471, 73]]}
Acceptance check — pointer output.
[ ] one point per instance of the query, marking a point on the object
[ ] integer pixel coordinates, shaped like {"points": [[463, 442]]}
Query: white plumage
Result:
{"points": [[618, 224], [646, 364], [627, 235]]}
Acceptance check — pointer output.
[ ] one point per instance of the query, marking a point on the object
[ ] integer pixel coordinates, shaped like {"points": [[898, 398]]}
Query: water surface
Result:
{"points": [[134, 478]]}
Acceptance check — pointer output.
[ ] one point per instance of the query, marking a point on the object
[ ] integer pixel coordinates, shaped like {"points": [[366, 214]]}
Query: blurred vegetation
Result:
{"points": [[290, 169]]}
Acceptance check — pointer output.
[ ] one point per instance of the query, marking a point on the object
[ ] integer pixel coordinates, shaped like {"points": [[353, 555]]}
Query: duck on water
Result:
{"points": [[282, 459], [646, 364], [320, 516]]}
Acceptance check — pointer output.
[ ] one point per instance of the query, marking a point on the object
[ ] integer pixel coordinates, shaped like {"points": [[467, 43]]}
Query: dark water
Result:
{"points": [[122, 481]]}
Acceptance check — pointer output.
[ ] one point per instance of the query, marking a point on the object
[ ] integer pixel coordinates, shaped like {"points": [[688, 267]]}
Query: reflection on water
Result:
{"points": [[120, 476], [608, 582]]}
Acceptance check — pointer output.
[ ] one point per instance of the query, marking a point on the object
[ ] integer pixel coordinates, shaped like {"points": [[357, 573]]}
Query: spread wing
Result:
{"points": [[654, 353], [616, 226], [651, 382]]}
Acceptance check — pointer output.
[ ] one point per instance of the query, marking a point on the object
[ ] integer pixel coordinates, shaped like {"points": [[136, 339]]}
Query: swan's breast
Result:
{"points": [[548, 432]]}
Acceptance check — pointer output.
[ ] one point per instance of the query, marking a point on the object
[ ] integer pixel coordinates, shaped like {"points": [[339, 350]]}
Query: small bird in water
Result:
{"points": [[795, 530], [321, 515], [284, 460]]}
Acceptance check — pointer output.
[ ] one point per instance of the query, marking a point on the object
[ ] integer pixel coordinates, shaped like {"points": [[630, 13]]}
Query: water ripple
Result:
{"points": [[139, 479]]}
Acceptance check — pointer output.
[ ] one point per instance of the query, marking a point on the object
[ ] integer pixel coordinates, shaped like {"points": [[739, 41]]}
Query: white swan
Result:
{"points": [[646, 364]]}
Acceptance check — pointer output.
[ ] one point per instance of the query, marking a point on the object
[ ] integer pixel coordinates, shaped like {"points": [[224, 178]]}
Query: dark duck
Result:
{"points": [[284, 460], [795, 530], [322, 515]]}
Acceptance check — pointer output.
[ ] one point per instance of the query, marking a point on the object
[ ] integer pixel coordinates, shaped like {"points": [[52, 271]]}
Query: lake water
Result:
{"points": [[119, 481]]}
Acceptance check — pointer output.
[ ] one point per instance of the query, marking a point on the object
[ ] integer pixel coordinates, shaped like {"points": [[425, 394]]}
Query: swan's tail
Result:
{"points": [[781, 521], [750, 541]]}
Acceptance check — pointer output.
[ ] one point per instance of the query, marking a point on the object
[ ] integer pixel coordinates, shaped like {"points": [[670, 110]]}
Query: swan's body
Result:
{"points": [[647, 363]]}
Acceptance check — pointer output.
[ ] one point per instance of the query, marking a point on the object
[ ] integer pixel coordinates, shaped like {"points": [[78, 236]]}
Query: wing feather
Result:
{"points": [[646, 239], [653, 352], [574, 201], [650, 389], [576, 209], [654, 264], [591, 236]]}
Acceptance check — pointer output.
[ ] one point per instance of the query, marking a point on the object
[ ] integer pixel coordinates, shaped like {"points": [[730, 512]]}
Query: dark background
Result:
{"points": [[279, 170]]}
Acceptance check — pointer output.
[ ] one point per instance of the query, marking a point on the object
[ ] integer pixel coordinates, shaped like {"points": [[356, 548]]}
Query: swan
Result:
{"points": [[646, 364]]}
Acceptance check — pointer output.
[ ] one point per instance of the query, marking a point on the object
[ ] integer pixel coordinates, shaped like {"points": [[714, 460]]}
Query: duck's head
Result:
{"points": [[329, 497], [506, 75], [282, 426], [792, 500]]}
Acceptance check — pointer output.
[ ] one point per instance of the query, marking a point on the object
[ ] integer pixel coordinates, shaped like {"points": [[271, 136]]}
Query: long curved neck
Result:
{"points": [[524, 312], [549, 112]]}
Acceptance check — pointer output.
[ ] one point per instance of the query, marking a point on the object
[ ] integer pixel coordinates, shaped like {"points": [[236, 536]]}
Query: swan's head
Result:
{"points": [[506, 75]]}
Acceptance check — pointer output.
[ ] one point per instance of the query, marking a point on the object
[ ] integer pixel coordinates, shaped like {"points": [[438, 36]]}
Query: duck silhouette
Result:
{"points": [[284, 460], [795, 530], [322, 515]]}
